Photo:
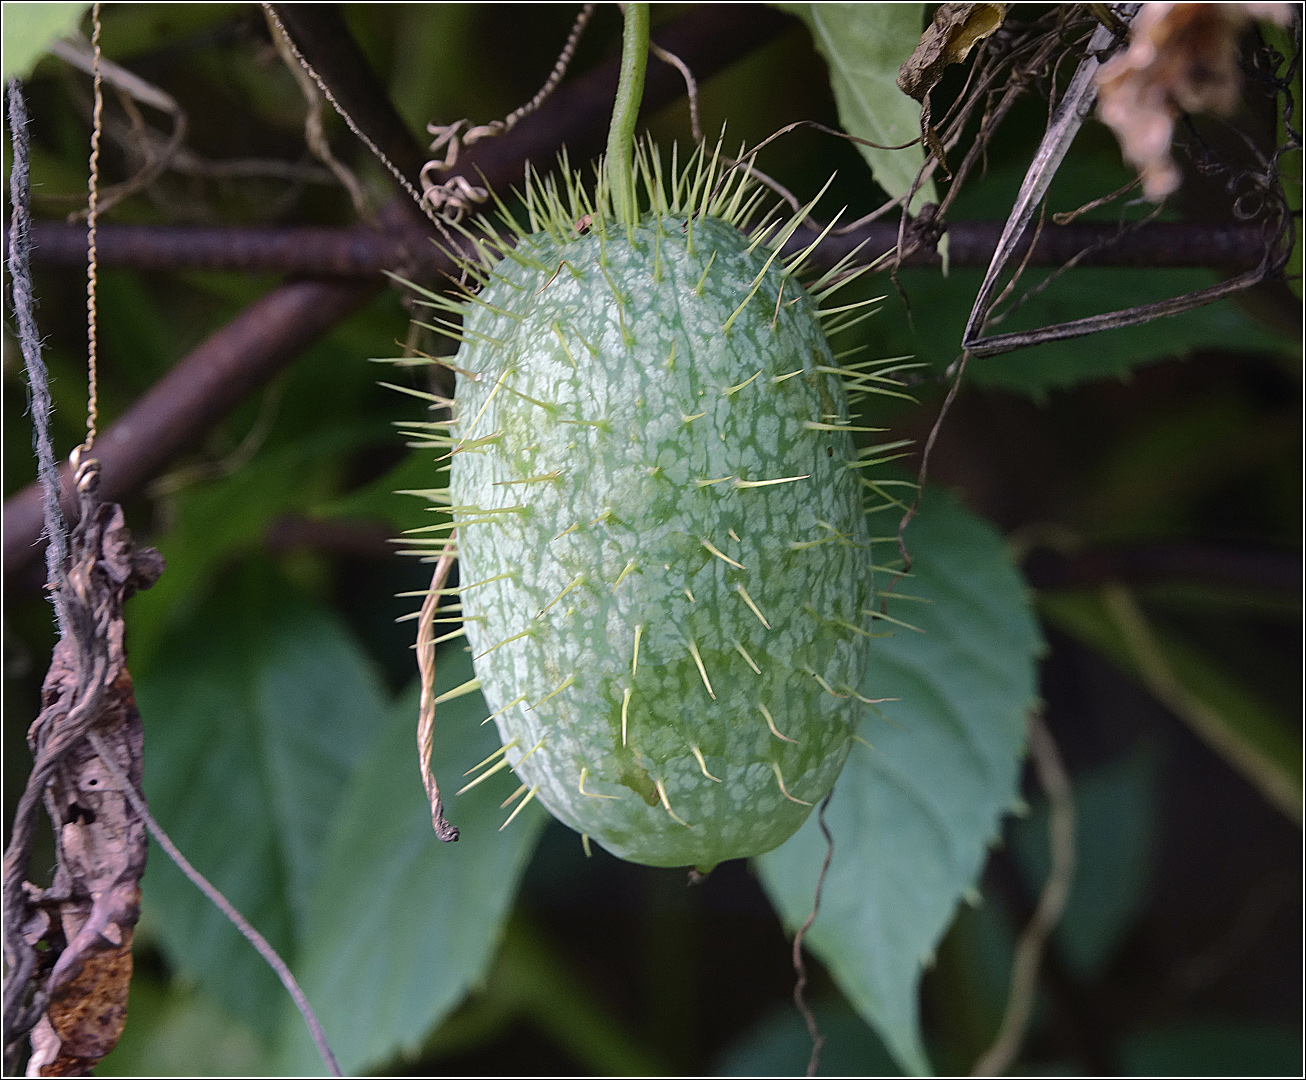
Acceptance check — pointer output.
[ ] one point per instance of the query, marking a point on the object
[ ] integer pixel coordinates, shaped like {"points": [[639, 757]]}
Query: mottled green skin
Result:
{"points": [[650, 351]]}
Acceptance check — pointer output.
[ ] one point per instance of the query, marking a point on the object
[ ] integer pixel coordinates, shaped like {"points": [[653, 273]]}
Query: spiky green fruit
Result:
{"points": [[665, 562]]}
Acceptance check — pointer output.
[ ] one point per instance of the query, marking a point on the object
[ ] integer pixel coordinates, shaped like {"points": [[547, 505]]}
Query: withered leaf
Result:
{"points": [[87, 916], [1182, 58], [947, 40], [85, 1016]]}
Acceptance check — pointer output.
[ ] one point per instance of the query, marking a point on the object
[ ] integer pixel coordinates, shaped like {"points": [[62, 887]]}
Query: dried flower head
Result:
{"points": [[1181, 58]]}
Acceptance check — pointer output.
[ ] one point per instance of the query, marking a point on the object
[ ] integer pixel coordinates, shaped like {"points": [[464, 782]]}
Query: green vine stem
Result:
{"points": [[625, 112]]}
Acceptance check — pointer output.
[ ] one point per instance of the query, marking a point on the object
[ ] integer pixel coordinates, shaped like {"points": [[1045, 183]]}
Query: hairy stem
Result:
{"points": [[625, 112]]}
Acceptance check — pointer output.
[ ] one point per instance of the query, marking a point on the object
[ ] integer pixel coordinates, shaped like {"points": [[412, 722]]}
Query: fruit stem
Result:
{"points": [[625, 112]]}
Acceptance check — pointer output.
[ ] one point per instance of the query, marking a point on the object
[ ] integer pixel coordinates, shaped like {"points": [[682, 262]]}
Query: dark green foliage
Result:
{"points": [[280, 750]]}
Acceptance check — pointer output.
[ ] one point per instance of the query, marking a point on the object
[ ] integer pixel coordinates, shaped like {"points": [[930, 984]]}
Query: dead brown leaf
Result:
{"points": [[1181, 58], [947, 40], [86, 917]]}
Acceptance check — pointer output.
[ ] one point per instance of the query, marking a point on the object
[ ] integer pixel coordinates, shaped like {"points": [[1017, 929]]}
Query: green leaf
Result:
{"points": [[864, 46], [969, 985], [180, 1032], [133, 29], [1115, 834], [781, 1046], [427, 75], [912, 818], [29, 29], [931, 329], [379, 501], [1214, 1048], [256, 715], [940, 306], [216, 520], [534, 979], [1228, 716], [401, 925]]}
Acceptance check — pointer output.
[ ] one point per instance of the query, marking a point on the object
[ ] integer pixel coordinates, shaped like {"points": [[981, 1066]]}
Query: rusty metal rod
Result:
{"points": [[357, 251]]}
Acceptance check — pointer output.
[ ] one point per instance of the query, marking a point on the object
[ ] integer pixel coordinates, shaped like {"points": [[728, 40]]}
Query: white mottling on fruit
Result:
{"points": [[630, 505]]}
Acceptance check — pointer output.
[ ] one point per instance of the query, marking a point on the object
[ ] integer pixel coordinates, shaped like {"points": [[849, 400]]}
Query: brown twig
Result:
{"points": [[922, 474], [45, 492], [1007, 70], [691, 87], [1052, 777], [319, 34], [1134, 316], [1037, 179], [426, 709], [1152, 664], [1067, 117], [88, 914], [800, 966], [157, 153], [72, 998], [1063, 124], [451, 138], [314, 131]]}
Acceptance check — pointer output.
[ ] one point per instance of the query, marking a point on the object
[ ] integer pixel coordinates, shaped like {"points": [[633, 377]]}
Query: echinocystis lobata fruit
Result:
{"points": [[665, 564]]}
